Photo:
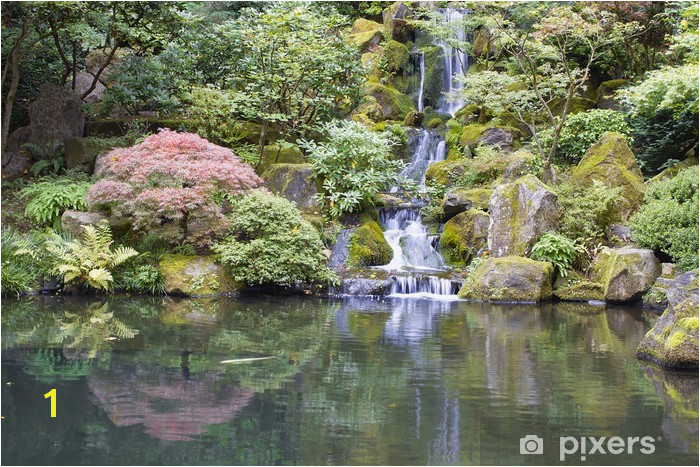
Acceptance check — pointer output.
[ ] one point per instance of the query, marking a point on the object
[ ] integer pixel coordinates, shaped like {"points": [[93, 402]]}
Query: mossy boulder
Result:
{"points": [[366, 34], [395, 55], [578, 104], [464, 236], [522, 162], [81, 153], [521, 212], [504, 139], [394, 105], [470, 134], [458, 200], [195, 276], [295, 182], [626, 273], [510, 279], [414, 119], [605, 94], [368, 247], [611, 162], [674, 169], [673, 341], [446, 173], [275, 154], [581, 291]]}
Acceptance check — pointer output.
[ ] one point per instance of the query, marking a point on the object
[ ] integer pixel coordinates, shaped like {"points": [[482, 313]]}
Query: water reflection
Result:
{"points": [[353, 381]]}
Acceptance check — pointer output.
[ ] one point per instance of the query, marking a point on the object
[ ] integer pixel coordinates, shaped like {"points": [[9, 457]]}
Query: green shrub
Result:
{"points": [[355, 164], [668, 219], [588, 211], [270, 243], [90, 260], [48, 197], [557, 249], [143, 278], [19, 273], [583, 130]]}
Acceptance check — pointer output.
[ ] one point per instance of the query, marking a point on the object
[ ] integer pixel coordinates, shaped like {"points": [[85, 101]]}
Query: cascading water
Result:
{"points": [[456, 61], [417, 268]]}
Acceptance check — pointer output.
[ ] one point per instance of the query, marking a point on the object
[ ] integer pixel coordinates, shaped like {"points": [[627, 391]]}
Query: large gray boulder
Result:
{"points": [[521, 212], [55, 116], [510, 279], [295, 182], [673, 341], [72, 222], [626, 273], [458, 200], [83, 81], [365, 282]]}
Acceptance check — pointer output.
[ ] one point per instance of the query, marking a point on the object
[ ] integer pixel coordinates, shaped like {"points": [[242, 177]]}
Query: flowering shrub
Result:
{"points": [[170, 182]]}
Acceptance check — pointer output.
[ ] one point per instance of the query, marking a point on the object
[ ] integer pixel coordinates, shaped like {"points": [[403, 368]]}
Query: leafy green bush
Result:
{"points": [[668, 219], [143, 278], [588, 211], [49, 197], [557, 249], [270, 243], [18, 272], [89, 261], [355, 164], [583, 130]]}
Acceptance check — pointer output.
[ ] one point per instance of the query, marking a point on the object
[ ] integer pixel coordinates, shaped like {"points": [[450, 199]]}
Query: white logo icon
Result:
{"points": [[531, 444]]}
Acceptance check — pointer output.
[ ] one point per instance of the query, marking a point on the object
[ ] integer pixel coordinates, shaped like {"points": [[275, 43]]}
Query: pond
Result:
{"points": [[349, 381]]}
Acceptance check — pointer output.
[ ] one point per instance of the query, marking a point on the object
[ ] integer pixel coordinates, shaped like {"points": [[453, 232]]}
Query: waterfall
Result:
{"points": [[421, 64], [456, 61]]}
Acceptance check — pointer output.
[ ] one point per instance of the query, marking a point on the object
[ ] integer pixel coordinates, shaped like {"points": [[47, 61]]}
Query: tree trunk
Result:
{"points": [[11, 93], [261, 142]]}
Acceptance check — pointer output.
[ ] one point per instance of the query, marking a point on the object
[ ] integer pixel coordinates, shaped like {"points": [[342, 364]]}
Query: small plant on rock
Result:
{"points": [[558, 250]]}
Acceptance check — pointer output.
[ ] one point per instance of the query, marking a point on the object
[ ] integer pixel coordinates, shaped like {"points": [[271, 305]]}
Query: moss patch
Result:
{"points": [[581, 292], [511, 279], [395, 55], [368, 247], [463, 236], [273, 154], [195, 276], [394, 105]]}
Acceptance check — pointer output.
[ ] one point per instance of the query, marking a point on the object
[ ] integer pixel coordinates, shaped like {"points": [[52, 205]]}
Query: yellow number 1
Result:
{"points": [[52, 395]]}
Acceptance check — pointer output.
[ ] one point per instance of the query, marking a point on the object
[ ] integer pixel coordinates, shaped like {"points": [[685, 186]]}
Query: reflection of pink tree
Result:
{"points": [[170, 407]]}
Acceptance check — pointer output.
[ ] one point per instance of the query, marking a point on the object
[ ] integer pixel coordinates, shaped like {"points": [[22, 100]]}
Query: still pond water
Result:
{"points": [[351, 381]]}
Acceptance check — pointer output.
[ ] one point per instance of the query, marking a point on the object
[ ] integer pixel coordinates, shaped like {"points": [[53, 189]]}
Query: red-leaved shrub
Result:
{"points": [[168, 183]]}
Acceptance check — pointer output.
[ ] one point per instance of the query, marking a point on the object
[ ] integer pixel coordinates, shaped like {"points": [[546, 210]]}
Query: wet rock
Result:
{"points": [[464, 236], [368, 247], [510, 279], [458, 200], [295, 182], [373, 282], [611, 162], [339, 254], [626, 273], [582, 291], [72, 222], [521, 212], [673, 341], [196, 276], [414, 119]]}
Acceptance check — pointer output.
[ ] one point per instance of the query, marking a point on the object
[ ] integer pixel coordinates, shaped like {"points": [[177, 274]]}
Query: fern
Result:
{"points": [[89, 261], [49, 197]]}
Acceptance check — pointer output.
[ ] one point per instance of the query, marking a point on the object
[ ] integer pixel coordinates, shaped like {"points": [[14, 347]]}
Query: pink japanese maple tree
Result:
{"points": [[168, 183]]}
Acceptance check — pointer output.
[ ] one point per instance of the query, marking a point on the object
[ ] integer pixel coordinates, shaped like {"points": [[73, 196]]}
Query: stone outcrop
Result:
{"points": [[72, 222], [276, 154], [459, 200], [464, 236], [510, 279], [54, 116], [521, 212], [611, 162], [196, 276], [673, 341], [296, 182], [626, 273]]}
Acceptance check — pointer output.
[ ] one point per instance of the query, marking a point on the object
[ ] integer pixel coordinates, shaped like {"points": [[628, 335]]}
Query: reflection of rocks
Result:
{"points": [[679, 393], [170, 406]]}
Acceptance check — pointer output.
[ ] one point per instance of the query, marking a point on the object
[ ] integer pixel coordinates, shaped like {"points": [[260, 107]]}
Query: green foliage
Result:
{"points": [[432, 214], [19, 273], [270, 243], [89, 261], [663, 112], [583, 130], [144, 278], [588, 211], [668, 219], [557, 249], [355, 164], [48, 197], [49, 161], [211, 111]]}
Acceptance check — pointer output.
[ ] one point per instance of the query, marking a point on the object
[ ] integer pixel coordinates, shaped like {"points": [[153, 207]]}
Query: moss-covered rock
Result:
{"points": [[295, 182], [195, 276], [510, 279], [673, 341], [458, 200], [274, 154], [605, 95], [395, 56], [470, 134], [522, 163], [81, 153], [394, 105], [521, 212], [366, 34], [581, 291], [464, 236], [368, 247], [611, 162], [626, 273], [365, 282], [674, 169], [445, 173], [577, 105], [413, 119], [468, 114]]}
